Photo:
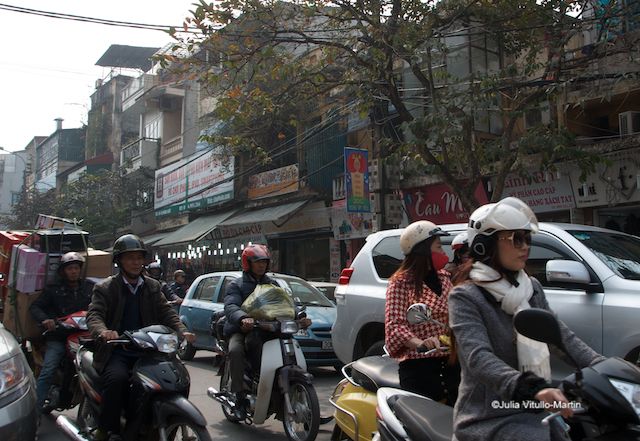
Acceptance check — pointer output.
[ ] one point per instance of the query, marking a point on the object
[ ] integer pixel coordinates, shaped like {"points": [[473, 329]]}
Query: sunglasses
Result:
{"points": [[518, 238]]}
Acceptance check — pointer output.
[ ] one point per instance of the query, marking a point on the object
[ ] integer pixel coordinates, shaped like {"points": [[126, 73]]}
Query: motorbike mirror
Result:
{"points": [[539, 324], [418, 313]]}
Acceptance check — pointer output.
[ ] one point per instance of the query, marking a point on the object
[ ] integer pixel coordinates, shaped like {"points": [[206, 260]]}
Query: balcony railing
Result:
{"points": [[136, 88], [140, 153]]}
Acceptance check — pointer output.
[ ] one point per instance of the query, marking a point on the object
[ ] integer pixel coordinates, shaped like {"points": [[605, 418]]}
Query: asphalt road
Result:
{"points": [[203, 375]]}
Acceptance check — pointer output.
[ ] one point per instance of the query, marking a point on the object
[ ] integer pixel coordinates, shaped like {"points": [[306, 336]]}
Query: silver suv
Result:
{"points": [[591, 278]]}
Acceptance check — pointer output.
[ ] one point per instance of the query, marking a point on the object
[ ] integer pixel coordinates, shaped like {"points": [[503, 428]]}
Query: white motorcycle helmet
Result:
{"points": [[459, 241], [418, 232], [506, 215]]}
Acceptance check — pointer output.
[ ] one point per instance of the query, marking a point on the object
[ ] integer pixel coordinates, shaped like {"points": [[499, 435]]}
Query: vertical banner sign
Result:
{"points": [[356, 172]]}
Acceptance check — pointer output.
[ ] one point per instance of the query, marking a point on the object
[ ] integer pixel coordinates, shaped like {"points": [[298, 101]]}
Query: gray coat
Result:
{"points": [[488, 357]]}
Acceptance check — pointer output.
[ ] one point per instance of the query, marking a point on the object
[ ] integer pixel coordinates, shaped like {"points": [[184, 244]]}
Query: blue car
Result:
{"points": [[206, 294]]}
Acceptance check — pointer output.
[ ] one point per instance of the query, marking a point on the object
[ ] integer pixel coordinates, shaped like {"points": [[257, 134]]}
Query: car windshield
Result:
{"points": [[619, 252], [304, 294]]}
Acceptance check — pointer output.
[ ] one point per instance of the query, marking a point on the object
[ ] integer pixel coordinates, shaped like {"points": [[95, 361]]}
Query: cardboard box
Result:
{"points": [[60, 241], [27, 269], [7, 240], [99, 263], [45, 221], [20, 302]]}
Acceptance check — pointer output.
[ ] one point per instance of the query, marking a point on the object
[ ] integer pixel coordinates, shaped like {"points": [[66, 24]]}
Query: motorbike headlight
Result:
{"points": [[630, 391], [13, 377], [167, 343], [289, 327]]}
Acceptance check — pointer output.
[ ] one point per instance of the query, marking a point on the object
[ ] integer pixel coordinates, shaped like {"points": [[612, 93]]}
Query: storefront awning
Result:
{"points": [[153, 238], [194, 230], [279, 213]]}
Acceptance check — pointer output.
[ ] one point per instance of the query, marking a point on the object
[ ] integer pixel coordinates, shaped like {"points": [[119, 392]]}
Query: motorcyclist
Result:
{"points": [[70, 294], [421, 278], [179, 285], [461, 253], [255, 263], [504, 374], [155, 270], [125, 302]]}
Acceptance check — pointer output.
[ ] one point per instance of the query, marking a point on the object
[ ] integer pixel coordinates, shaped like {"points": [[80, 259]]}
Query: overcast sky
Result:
{"points": [[47, 65]]}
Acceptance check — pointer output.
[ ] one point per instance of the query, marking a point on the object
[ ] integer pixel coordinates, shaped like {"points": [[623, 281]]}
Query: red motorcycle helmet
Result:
{"points": [[253, 253]]}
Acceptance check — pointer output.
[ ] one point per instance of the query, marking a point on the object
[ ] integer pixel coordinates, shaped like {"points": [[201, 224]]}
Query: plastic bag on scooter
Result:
{"points": [[268, 302]]}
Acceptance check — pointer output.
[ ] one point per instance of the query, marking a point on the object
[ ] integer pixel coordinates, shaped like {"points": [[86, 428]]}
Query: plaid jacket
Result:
{"points": [[400, 295]]}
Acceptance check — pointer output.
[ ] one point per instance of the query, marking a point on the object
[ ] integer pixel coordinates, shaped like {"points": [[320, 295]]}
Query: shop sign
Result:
{"points": [[233, 231], [356, 171], [542, 191], [192, 183], [347, 225], [334, 251], [611, 184], [438, 203], [274, 182]]}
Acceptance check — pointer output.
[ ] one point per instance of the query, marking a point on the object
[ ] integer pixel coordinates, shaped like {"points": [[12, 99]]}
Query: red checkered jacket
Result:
{"points": [[400, 295]]}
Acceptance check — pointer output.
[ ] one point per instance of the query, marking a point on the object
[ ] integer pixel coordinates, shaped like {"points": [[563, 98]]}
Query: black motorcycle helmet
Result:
{"points": [[126, 244], [155, 270]]}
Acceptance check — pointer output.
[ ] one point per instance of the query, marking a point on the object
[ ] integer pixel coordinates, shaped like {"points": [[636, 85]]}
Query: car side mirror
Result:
{"points": [[567, 271]]}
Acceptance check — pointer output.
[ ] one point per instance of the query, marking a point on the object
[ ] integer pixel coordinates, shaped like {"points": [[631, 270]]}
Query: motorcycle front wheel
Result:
{"points": [[304, 423], [181, 429]]}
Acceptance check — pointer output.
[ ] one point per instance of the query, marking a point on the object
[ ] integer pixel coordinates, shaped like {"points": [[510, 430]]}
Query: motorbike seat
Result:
{"points": [[424, 419], [86, 364], [375, 372]]}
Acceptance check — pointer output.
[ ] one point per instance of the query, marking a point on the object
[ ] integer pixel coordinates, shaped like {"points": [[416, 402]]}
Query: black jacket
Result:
{"points": [[107, 309], [178, 289], [59, 300], [168, 292], [236, 294]]}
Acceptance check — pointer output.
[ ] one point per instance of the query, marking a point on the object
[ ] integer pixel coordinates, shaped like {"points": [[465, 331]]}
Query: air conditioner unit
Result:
{"points": [[629, 123]]}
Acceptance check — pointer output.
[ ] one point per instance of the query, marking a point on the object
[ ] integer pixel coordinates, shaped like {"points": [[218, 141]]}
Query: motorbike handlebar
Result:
{"points": [[427, 351]]}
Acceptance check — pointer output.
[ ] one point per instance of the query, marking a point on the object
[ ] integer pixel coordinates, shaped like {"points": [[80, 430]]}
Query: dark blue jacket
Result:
{"points": [[237, 293], [59, 300]]}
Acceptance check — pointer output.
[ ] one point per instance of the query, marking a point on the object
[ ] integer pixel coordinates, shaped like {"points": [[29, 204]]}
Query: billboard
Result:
{"points": [[193, 183]]}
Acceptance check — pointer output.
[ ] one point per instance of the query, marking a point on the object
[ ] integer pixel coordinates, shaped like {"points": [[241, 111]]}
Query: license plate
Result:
{"points": [[327, 344]]}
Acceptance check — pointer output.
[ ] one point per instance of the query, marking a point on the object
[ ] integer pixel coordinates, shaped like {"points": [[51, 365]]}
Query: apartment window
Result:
{"points": [[15, 197]]}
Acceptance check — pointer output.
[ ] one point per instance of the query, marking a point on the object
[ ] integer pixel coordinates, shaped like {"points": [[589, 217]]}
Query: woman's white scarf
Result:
{"points": [[532, 355]]}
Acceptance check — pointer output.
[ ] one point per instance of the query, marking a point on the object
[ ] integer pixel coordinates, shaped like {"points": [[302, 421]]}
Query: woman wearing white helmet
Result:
{"points": [[499, 366], [421, 278]]}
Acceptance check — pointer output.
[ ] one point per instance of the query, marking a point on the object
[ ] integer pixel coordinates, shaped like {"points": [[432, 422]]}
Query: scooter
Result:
{"points": [[606, 397], [281, 384], [64, 392], [355, 396], [158, 404]]}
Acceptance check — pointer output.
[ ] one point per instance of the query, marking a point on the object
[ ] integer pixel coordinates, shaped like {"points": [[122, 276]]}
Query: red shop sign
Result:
{"points": [[438, 203]]}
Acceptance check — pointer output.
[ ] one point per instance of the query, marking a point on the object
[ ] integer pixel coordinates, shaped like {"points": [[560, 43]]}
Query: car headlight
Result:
{"points": [[14, 376], [167, 343], [630, 391], [289, 327]]}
